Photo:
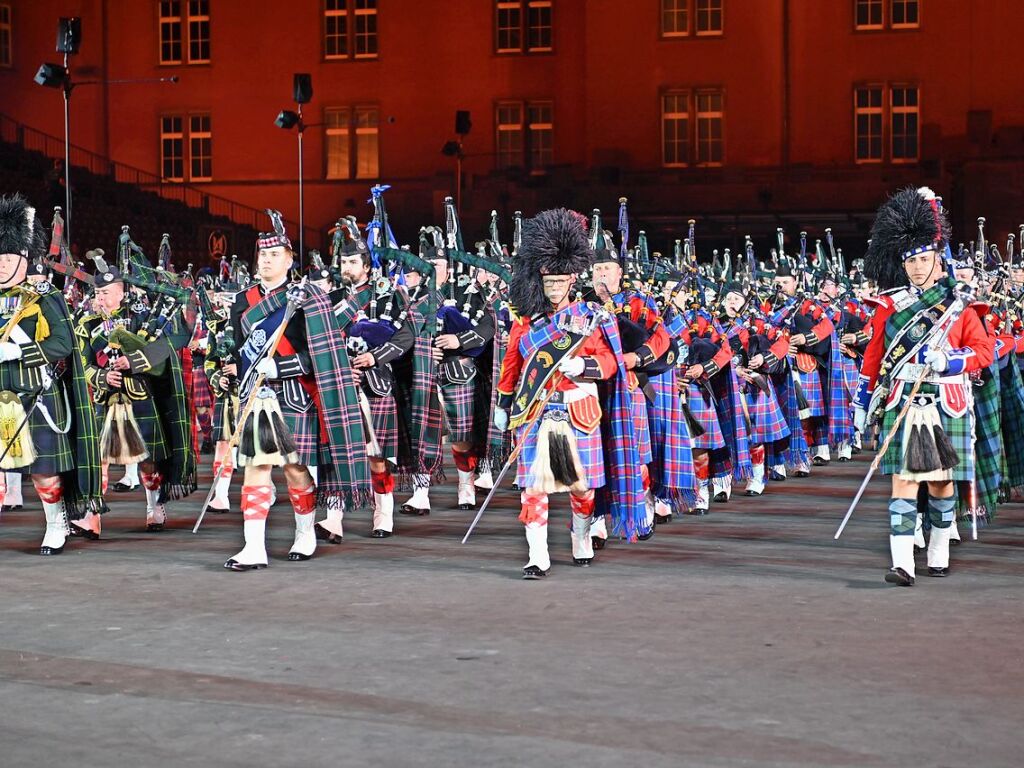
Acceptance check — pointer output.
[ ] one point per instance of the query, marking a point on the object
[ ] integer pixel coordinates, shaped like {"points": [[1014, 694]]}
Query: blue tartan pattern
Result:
{"points": [[458, 409], [589, 448], [672, 470], [840, 418], [810, 383], [796, 453], [641, 429], [703, 410], [767, 422]]}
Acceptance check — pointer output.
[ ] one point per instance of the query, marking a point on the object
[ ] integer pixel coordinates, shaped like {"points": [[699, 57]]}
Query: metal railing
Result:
{"points": [[14, 132]]}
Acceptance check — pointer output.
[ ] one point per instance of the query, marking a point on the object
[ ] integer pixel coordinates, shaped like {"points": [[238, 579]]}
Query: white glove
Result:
{"points": [[9, 351], [267, 367], [860, 419], [937, 359], [571, 366], [18, 336], [500, 419], [203, 344]]}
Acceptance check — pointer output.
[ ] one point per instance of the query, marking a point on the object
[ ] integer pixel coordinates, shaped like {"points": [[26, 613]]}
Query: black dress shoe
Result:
{"points": [[407, 509], [123, 487], [954, 542], [218, 510], [699, 511], [597, 541], [10, 508], [646, 535], [515, 487], [721, 497], [84, 533], [234, 565], [324, 535], [297, 557], [801, 473], [466, 507], [51, 550], [938, 571], [855, 450], [662, 519], [378, 533], [899, 577], [818, 461], [153, 527], [776, 476], [533, 572], [843, 459], [582, 562], [752, 493]]}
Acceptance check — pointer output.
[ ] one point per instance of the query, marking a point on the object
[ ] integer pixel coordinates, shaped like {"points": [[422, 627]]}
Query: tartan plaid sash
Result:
{"points": [[172, 408], [988, 446], [918, 317], [1011, 395]]}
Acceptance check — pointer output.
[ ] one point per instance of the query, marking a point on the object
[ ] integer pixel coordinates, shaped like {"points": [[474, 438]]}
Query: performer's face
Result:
{"points": [[412, 279], [557, 287], [733, 303], [1017, 276], [13, 267], [830, 289], [108, 297], [787, 284], [440, 271], [921, 269], [964, 274], [273, 264], [609, 273], [353, 270]]}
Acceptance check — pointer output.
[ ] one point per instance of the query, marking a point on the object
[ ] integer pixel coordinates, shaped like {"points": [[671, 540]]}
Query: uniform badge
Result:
{"points": [[42, 287]]}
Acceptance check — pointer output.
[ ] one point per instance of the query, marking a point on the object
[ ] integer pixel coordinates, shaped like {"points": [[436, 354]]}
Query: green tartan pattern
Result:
{"points": [[988, 447], [178, 468], [960, 431], [1011, 395]]}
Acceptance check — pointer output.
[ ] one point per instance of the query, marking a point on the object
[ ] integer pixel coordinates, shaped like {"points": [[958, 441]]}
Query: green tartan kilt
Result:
{"points": [[959, 429], [220, 430], [150, 427], [54, 453]]}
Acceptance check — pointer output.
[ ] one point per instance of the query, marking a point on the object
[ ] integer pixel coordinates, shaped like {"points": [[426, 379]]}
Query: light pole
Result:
{"points": [[302, 86]]}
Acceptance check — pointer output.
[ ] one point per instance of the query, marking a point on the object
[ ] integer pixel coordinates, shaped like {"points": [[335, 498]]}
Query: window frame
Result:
{"points": [[523, 9], [351, 13], [904, 110], [858, 111], [904, 24], [172, 135], [709, 11], [685, 115], [886, 16], [697, 115], [199, 18], [517, 154], [185, 135], [7, 26], [685, 10], [199, 135], [693, 13], [182, 23], [349, 132], [693, 117], [887, 112], [526, 156]]}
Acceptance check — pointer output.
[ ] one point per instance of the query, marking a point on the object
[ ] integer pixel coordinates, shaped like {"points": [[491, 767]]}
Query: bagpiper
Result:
{"points": [[47, 422], [926, 340]]}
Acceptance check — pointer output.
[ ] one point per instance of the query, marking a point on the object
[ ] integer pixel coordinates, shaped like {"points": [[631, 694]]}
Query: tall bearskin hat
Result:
{"points": [[553, 243], [20, 228], [910, 222]]}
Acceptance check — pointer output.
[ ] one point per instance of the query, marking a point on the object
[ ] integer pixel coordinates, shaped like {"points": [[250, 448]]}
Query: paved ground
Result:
{"points": [[746, 638]]}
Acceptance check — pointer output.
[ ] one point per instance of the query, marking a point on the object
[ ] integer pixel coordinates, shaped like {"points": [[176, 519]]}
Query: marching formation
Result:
{"points": [[560, 363]]}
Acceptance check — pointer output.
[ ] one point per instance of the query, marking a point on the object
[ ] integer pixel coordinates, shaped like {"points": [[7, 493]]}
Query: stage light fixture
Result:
{"points": [[51, 75], [287, 119], [450, 149]]}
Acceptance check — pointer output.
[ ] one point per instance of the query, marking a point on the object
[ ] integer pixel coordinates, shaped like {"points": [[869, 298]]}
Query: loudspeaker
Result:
{"points": [[69, 34], [303, 87], [462, 122]]}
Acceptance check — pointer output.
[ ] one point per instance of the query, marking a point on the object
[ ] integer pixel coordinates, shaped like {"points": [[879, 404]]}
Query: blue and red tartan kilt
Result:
{"points": [[384, 414], [810, 383], [703, 410], [202, 395], [851, 375], [589, 447], [458, 408], [767, 421], [641, 427]]}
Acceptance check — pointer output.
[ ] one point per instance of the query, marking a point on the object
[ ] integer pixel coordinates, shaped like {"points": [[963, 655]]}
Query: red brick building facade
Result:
{"points": [[744, 114]]}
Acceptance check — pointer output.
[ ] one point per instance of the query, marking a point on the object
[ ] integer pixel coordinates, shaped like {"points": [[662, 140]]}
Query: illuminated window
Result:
{"points": [[367, 143], [675, 18], [353, 142], [710, 130], [904, 14], [867, 115], [366, 29], [355, 19], [675, 128], [200, 142], [174, 139], [709, 17], [337, 128], [523, 26], [525, 133], [509, 140], [879, 14], [172, 149], [905, 134], [539, 135], [6, 59], [704, 143], [682, 18], [184, 28]]}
